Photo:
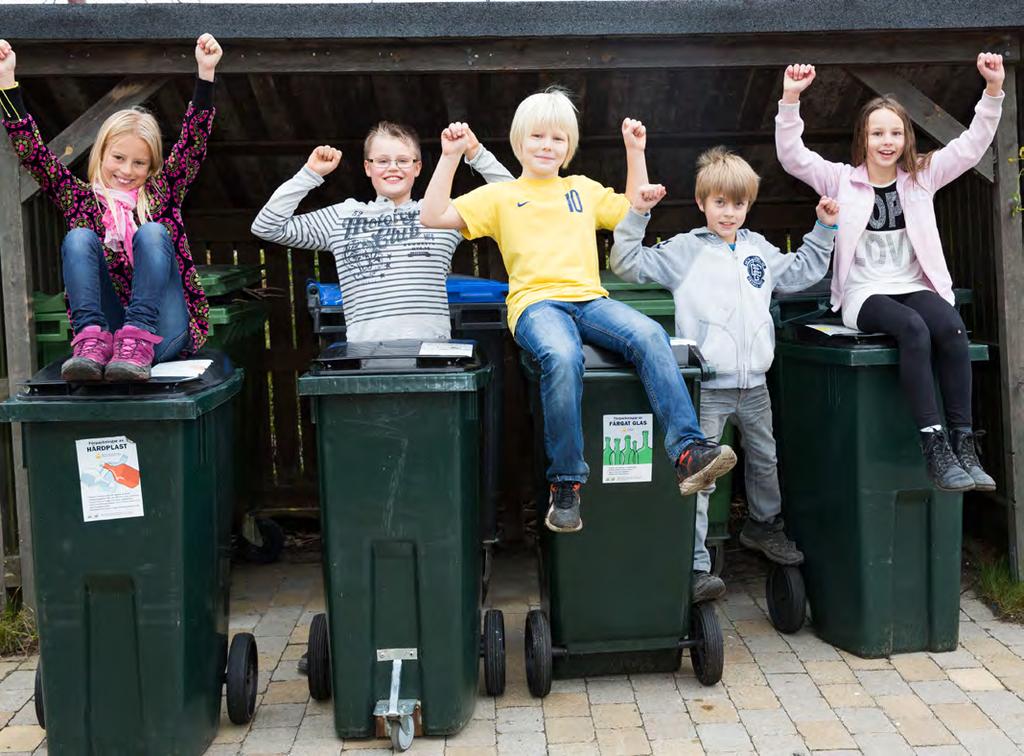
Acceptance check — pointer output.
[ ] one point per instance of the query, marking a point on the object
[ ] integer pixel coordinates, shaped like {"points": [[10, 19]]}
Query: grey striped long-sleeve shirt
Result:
{"points": [[392, 270]]}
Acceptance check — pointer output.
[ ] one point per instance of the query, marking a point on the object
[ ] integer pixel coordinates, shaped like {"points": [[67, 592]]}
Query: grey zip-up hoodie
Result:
{"points": [[722, 296]]}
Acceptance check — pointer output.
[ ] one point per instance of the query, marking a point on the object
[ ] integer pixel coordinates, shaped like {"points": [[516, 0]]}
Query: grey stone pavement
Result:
{"points": [[779, 694]]}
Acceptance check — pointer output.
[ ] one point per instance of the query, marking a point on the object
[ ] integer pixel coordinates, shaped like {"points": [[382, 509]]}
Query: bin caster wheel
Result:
{"points": [[787, 598], [708, 656], [38, 695], [538, 653], [318, 665], [494, 652], [242, 678], [262, 540], [717, 553], [402, 733]]}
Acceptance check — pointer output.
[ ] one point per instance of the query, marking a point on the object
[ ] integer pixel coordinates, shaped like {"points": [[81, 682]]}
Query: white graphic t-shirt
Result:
{"points": [[885, 262]]}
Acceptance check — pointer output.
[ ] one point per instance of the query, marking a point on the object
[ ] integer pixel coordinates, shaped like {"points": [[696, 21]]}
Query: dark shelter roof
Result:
{"points": [[497, 19]]}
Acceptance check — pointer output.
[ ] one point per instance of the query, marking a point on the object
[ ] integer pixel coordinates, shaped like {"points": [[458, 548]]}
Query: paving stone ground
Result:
{"points": [[779, 694]]}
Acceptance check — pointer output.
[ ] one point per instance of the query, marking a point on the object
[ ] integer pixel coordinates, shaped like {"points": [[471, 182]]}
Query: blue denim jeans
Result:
{"points": [[554, 332], [157, 302]]}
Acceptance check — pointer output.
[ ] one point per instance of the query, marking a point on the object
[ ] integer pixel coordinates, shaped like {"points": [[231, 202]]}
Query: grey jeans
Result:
{"points": [[751, 413]]}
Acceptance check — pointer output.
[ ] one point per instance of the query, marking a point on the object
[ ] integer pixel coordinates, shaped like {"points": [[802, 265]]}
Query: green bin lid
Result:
{"points": [[218, 280], [845, 351], [614, 284], [43, 302]]}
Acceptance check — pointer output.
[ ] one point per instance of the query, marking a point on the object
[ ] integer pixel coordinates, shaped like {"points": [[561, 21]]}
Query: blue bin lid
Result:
{"points": [[461, 289], [467, 289]]}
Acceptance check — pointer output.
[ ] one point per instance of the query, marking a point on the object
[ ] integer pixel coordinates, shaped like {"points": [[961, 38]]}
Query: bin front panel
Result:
{"points": [[618, 592], [133, 612], [882, 546], [399, 487]]}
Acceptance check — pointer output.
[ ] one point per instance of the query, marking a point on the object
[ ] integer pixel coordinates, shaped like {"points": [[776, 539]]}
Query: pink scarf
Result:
{"points": [[119, 218]]}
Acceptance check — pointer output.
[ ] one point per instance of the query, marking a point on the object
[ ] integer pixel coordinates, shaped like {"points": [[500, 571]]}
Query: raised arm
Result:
{"points": [[478, 157], [809, 263], [276, 221], [634, 135], [54, 178], [964, 152], [187, 154], [436, 208], [795, 157]]}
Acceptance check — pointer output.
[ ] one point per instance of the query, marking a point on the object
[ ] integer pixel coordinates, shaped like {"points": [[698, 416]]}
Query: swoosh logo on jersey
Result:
{"points": [[520, 204]]}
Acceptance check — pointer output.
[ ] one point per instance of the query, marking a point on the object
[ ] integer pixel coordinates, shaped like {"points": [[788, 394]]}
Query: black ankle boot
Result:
{"points": [[943, 466], [965, 447]]}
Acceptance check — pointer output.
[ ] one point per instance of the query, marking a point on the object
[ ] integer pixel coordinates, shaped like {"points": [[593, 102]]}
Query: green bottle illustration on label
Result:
{"points": [[607, 454], [617, 453], [627, 452], [645, 455]]}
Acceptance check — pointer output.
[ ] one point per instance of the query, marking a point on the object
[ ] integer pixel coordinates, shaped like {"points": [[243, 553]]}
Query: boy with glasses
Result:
{"points": [[391, 269]]}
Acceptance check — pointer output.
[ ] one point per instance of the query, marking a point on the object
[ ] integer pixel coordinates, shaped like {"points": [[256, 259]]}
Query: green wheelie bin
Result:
{"points": [[882, 545], [615, 597], [130, 490], [398, 433], [657, 303]]}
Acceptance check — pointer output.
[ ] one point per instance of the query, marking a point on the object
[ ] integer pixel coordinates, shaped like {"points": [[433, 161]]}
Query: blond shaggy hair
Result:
{"points": [[551, 108], [720, 171]]}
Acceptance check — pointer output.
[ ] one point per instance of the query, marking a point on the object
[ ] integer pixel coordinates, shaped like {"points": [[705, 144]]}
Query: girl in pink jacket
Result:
{"points": [[889, 271]]}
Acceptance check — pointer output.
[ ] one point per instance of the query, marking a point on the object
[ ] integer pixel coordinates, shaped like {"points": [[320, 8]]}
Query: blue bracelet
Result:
{"points": [[824, 225]]}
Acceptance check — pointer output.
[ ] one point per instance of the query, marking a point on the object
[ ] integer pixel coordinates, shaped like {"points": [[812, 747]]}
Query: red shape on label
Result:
{"points": [[126, 475]]}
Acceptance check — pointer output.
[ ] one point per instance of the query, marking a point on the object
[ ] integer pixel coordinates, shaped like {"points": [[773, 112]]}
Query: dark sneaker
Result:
{"points": [[564, 510], [700, 463], [943, 466], [965, 447], [770, 539], [705, 587]]}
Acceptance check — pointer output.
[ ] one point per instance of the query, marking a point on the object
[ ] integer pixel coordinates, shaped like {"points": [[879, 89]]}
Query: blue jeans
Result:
{"points": [[554, 332], [157, 302]]}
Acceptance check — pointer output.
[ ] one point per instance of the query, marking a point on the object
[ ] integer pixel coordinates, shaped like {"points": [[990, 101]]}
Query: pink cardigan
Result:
{"points": [[856, 197]]}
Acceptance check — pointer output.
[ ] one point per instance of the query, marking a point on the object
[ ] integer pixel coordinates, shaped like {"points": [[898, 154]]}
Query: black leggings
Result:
{"points": [[923, 322]]}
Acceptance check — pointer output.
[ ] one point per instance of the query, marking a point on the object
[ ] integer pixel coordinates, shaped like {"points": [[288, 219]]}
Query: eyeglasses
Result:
{"points": [[383, 163]]}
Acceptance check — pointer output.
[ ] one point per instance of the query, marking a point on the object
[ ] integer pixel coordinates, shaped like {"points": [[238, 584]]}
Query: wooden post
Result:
{"points": [[1009, 241], [19, 339]]}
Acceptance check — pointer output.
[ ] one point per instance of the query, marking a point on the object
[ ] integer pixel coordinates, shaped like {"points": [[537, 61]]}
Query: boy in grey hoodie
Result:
{"points": [[721, 277]]}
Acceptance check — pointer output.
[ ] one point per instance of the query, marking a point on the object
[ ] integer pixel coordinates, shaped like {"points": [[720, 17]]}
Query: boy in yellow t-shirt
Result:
{"points": [[545, 226]]}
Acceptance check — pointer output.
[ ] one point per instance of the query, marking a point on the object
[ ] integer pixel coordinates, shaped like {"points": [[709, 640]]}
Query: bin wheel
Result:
{"points": [[402, 733], [538, 653], [494, 652], [38, 695], [269, 550], [708, 656], [242, 678], [717, 552], [318, 665], [787, 598]]}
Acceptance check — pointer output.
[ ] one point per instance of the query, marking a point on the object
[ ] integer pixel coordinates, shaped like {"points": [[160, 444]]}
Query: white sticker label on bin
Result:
{"points": [[445, 349], [627, 455], [108, 470]]}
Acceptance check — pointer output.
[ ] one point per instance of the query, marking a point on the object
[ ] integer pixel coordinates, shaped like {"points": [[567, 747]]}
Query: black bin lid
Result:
{"points": [[47, 383], [400, 356]]}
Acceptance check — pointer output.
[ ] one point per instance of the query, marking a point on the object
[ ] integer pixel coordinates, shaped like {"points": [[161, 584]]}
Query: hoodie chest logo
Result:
{"points": [[755, 271]]}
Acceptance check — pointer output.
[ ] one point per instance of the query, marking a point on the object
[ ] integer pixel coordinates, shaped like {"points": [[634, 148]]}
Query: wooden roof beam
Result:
{"points": [[440, 56]]}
